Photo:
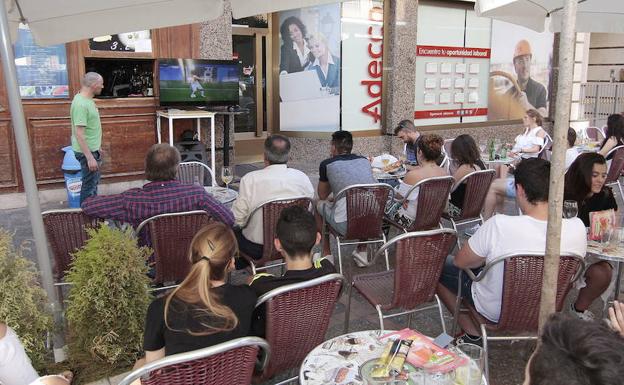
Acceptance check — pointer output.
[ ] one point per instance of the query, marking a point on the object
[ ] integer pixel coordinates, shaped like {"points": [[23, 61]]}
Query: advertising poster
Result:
{"points": [[520, 71], [452, 65], [41, 71], [362, 48], [309, 81], [137, 41]]}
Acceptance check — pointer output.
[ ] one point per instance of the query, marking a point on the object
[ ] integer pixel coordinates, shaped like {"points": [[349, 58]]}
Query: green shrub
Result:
{"points": [[22, 300], [107, 301]]}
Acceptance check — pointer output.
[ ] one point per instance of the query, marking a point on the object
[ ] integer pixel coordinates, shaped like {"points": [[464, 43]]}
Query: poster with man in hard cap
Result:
{"points": [[520, 71]]}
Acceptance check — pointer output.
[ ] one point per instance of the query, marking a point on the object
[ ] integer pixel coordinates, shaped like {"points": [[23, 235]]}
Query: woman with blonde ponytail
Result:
{"points": [[204, 310]]}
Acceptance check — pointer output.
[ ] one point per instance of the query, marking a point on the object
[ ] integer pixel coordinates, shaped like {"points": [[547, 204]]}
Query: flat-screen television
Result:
{"points": [[198, 82]]}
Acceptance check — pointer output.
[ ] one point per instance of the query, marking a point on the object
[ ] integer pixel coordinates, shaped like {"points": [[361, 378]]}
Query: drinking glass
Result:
{"points": [[570, 209], [471, 373], [227, 175]]}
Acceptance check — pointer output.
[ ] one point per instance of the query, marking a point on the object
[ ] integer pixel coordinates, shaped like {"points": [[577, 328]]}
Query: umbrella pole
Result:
{"points": [[28, 176], [562, 123]]}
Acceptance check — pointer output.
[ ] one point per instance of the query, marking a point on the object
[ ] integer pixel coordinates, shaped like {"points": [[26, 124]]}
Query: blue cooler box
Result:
{"points": [[73, 177]]}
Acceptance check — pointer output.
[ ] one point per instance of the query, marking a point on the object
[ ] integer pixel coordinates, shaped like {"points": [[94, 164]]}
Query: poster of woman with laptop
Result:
{"points": [[294, 54], [326, 65], [310, 69]]}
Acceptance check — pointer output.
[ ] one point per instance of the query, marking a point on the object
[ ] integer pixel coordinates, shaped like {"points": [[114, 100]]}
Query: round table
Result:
{"points": [[615, 255], [224, 195], [338, 360], [507, 160]]}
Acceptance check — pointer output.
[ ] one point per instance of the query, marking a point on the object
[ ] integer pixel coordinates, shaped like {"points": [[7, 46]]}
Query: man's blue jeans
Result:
{"points": [[90, 179]]}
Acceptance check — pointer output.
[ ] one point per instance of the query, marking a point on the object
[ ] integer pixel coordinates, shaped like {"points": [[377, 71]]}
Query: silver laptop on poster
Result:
{"points": [[302, 85]]}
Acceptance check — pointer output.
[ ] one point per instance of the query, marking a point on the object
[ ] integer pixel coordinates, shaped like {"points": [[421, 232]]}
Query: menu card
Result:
{"points": [[600, 223]]}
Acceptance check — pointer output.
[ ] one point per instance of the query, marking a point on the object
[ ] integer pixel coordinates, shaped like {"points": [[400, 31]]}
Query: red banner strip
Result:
{"points": [[443, 51], [431, 114]]}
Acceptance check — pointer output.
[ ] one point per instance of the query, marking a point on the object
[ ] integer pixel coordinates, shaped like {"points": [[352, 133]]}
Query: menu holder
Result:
{"points": [[600, 224], [423, 353]]}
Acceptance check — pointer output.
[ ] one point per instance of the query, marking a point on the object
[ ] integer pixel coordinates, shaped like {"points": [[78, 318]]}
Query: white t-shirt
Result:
{"points": [[504, 234], [571, 155], [528, 139]]}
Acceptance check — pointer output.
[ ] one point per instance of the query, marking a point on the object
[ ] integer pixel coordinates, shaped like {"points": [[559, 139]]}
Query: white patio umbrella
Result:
{"points": [[591, 16], [61, 21]]}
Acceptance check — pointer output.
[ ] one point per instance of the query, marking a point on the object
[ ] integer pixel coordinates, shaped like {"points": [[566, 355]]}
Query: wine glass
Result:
{"points": [[227, 175], [570, 209]]}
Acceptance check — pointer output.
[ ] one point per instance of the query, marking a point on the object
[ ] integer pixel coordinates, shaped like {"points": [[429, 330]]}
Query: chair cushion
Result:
{"points": [[376, 288]]}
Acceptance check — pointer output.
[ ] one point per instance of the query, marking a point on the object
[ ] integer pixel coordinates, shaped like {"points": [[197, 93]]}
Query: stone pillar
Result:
{"points": [[399, 70], [216, 44]]}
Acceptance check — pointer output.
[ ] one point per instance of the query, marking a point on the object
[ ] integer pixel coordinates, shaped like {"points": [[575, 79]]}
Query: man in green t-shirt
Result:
{"points": [[87, 132]]}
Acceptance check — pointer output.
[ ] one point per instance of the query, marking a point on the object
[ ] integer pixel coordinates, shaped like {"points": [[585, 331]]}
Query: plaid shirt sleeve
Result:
{"points": [[106, 207], [221, 213]]}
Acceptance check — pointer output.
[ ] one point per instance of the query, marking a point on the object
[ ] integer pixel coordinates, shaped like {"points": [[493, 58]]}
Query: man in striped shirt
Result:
{"points": [[163, 194]]}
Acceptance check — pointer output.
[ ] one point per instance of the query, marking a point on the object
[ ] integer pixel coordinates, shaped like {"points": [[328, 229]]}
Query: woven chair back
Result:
{"points": [[194, 172], [419, 263], [296, 322], [271, 212], [617, 164], [477, 186], [365, 211], [594, 133], [522, 291], [233, 367], [171, 236], [67, 232], [433, 197]]}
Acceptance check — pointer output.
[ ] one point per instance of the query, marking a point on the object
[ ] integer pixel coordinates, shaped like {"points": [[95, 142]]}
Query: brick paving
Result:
{"points": [[507, 360]]}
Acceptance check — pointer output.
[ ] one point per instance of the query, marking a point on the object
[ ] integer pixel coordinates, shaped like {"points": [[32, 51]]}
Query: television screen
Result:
{"points": [[198, 82]]}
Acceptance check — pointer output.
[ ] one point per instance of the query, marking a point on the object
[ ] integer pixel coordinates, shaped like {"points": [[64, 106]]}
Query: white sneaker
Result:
{"points": [[584, 315], [360, 258], [471, 231]]}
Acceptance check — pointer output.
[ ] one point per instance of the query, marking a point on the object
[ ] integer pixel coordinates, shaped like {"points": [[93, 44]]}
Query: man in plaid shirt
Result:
{"points": [[163, 194]]}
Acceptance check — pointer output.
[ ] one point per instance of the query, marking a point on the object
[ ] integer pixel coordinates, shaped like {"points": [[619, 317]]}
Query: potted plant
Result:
{"points": [[107, 302], [23, 301]]}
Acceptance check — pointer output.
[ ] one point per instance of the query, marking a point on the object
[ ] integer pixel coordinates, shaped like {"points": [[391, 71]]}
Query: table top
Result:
{"points": [[338, 360], [506, 160], [223, 195], [380, 175], [596, 248], [175, 113]]}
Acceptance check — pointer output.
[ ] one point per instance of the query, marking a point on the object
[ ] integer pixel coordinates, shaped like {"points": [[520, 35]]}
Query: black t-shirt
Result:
{"points": [[536, 94], [263, 283], [457, 196], [182, 318], [604, 200]]}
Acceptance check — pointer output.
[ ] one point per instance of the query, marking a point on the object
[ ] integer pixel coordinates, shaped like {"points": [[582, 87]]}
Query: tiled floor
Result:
{"points": [[507, 360]]}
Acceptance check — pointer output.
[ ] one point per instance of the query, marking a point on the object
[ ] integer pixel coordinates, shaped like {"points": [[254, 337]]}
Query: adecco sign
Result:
{"points": [[362, 67]]}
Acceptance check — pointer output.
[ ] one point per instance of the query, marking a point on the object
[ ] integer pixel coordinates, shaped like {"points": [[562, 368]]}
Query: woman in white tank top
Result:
{"points": [[529, 144]]}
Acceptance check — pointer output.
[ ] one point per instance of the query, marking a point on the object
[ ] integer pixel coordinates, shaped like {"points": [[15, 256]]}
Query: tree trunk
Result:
{"points": [[562, 123]]}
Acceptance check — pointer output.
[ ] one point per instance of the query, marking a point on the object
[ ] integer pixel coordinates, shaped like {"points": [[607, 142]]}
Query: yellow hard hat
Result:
{"points": [[522, 48]]}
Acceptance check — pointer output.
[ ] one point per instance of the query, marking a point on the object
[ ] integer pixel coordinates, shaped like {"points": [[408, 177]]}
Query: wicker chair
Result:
{"points": [[365, 212], [477, 186], [522, 291], [420, 258], [594, 133], [228, 363], [270, 212], [195, 172], [433, 195], [66, 232], [447, 147], [297, 317], [616, 168], [171, 236]]}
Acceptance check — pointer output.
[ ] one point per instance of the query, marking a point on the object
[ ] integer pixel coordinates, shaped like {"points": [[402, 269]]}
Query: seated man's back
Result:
{"points": [[296, 235], [504, 234], [162, 195]]}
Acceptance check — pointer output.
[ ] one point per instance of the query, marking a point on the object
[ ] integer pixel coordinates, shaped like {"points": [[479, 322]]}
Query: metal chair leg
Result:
{"points": [[348, 310], [380, 314], [409, 320], [339, 254], [456, 311], [486, 364], [386, 253], [441, 313]]}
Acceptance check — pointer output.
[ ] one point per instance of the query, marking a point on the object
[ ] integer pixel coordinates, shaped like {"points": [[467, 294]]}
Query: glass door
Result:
{"points": [[249, 48]]}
